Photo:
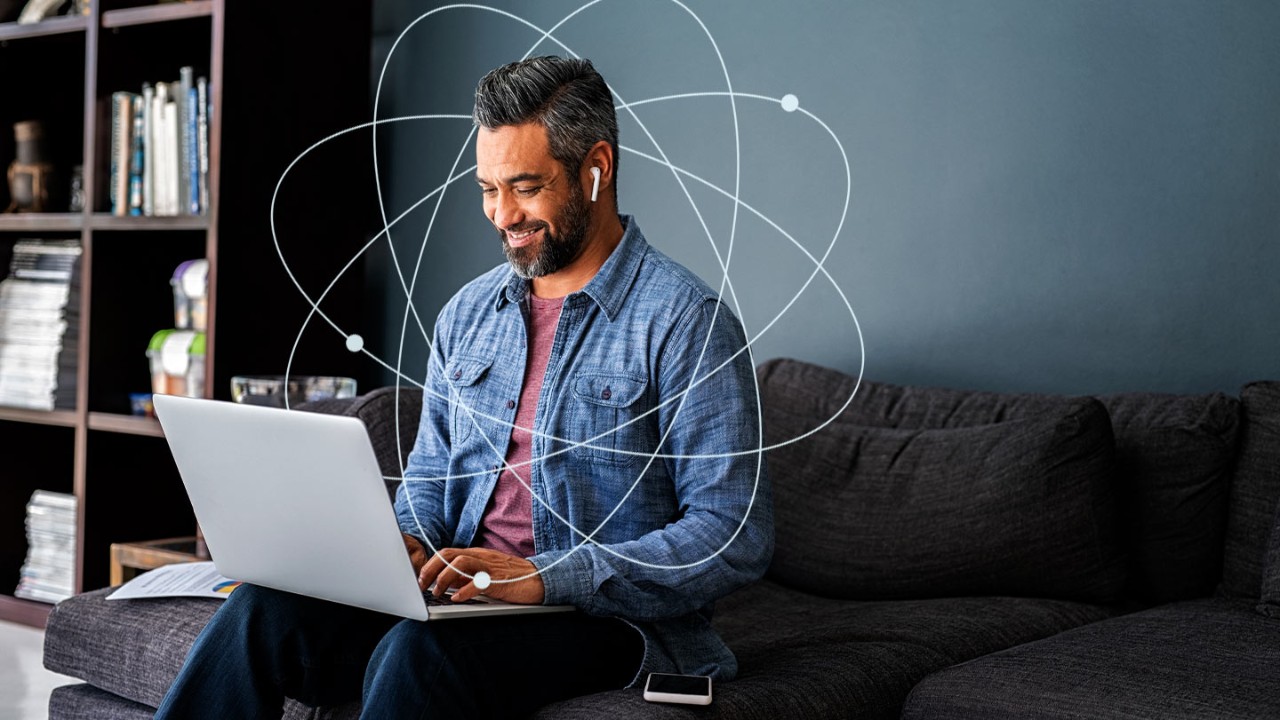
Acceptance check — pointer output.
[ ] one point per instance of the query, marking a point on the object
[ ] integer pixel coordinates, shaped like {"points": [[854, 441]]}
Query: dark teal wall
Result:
{"points": [[1047, 195]]}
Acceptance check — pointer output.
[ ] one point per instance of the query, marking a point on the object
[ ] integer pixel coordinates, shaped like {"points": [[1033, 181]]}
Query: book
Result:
{"points": [[121, 129], [192, 198], [185, 137], [157, 152], [202, 138], [172, 160], [136, 150], [166, 147], [148, 152]]}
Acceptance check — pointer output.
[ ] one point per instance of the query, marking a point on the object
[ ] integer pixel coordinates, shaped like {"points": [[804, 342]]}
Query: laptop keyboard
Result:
{"points": [[432, 600]]}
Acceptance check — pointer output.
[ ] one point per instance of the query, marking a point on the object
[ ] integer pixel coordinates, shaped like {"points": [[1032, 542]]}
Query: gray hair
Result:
{"points": [[565, 96]]}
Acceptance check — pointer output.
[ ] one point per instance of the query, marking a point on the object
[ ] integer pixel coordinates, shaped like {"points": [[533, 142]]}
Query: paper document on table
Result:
{"points": [[197, 579]]}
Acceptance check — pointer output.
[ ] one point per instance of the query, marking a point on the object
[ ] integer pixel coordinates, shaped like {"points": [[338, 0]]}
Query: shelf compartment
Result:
{"points": [[147, 14], [133, 477], [29, 73], [131, 301], [50, 26], [39, 457], [130, 56], [127, 424]]}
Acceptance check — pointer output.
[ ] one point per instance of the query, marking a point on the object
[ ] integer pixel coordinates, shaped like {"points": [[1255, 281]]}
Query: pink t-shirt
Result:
{"points": [[507, 525]]}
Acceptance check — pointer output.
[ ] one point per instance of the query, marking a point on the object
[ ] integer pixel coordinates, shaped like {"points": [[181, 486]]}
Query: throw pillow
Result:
{"points": [[1255, 490], [1174, 456], [917, 492], [1270, 605]]}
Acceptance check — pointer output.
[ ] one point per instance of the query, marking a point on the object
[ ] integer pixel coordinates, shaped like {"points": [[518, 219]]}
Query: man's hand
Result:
{"points": [[417, 553], [500, 566]]}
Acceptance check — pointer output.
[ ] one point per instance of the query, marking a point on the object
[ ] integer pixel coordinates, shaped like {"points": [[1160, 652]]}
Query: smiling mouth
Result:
{"points": [[522, 238]]}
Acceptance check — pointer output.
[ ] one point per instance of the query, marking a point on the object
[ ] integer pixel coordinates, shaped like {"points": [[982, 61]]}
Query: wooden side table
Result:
{"points": [[128, 559]]}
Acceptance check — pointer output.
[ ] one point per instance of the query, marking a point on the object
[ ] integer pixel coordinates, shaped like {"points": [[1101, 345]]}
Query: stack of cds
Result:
{"points": [[49, 573], [39, 325]]}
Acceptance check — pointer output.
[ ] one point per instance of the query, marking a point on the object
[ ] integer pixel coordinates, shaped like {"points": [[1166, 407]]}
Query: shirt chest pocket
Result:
{"points": [[465, 376], [609, 416]]}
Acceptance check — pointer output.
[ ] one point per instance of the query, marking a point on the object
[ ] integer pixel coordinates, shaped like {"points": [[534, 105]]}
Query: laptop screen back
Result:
{"points": [[293, 501]]}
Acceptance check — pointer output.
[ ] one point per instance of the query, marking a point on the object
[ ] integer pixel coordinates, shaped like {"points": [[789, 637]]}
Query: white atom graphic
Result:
{"points": [[355, 343]]}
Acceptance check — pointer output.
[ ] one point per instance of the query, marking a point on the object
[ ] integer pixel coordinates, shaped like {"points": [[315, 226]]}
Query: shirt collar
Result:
{"points": [[611, 283]]}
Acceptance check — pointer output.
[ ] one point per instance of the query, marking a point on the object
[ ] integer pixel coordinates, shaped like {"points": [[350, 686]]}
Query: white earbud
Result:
{"points": [[595, 184]]}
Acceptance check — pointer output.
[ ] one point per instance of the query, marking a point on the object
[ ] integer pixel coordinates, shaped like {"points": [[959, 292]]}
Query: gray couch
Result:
{"points": [[940, 554]]}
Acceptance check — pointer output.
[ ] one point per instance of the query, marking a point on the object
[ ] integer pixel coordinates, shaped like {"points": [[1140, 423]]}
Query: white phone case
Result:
{"points": [[678, 698]]}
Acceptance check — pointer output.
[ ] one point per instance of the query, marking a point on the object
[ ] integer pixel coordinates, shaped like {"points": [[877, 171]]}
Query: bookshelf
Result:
{"points": [[279, 79]]}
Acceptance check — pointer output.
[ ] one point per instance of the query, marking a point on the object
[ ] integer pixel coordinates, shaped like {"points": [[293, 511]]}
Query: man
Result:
{"points": [[587, 436]]}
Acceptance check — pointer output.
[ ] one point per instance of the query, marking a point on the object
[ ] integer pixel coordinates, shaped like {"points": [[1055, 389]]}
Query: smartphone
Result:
{"points": [[684, 689]]}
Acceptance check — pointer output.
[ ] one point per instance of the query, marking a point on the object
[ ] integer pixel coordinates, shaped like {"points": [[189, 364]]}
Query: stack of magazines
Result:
{"points": [[49, 573], [40, 325]]}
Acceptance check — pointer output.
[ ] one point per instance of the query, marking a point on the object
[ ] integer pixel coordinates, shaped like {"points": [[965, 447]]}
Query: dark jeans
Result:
{"points": [[264, 645]]}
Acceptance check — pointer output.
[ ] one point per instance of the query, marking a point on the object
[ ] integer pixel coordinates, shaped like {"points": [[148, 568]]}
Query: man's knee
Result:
{"points": [[419, 648], [260, 605], [410, 638]]}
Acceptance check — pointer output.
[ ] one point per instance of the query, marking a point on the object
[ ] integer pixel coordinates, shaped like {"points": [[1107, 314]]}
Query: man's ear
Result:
{"points": [[599, 156]]}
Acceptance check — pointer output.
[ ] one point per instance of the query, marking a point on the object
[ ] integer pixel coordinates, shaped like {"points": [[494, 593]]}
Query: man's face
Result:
{"points": [[536, 207]]}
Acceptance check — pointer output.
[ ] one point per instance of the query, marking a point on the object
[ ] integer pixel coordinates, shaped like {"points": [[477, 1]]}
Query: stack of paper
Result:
{"points": [[49, 573], [40, 325]]}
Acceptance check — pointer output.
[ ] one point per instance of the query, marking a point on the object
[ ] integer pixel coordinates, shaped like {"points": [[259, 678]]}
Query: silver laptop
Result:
{"points": [[295, 501]]}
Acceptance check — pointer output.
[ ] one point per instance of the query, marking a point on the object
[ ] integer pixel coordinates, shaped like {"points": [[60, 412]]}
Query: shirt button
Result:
{"points": [[606, 394], [511, 404], [457, 374]]}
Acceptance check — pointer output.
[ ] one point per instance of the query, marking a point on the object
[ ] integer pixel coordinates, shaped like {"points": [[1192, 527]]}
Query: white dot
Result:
{"points": [[481, 580], [790, 102], [355, 343]]}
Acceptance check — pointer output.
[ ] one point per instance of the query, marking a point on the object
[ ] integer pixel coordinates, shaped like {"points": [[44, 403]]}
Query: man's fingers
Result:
{"points": [[452, 573], [466, 592], [457, 567], [417, 553], [431, 569]]}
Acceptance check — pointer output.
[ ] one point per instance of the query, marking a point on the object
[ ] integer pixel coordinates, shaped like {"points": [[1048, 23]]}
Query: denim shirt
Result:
{"points": [[650, 497]]}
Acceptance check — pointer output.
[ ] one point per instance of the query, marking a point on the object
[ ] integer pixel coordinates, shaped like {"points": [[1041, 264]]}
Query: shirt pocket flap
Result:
{"points": [[465, 371], [609, 390]]}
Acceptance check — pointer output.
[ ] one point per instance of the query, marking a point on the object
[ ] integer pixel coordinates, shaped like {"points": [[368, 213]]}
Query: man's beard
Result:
{"points": [[554, 252]]}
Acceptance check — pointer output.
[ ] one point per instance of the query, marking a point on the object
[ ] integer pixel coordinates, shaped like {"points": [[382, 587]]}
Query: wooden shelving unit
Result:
{"points": [[128, 424], [41, 222], [147, 14], [63, 418], [279, 80], [51, 26]]}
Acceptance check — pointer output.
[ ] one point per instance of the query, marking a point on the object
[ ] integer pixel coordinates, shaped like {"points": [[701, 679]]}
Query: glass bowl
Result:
{"points": [[269, 390]]}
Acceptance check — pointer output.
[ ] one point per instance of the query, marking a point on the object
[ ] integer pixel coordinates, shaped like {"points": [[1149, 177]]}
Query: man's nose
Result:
{"points": [[507, 211]]}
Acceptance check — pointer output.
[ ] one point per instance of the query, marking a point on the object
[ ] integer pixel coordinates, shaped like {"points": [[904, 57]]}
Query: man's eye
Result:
{"points": [[487, 191], [528, 192]]}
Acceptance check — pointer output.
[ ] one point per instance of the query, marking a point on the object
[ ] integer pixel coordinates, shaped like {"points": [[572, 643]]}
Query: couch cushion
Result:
{"points": [[1203, 658], [85, 702], [131, 648], [1174, 457], [805, 656], [1255, 490], [915, 492], [1270, 605]]}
